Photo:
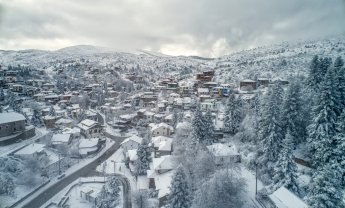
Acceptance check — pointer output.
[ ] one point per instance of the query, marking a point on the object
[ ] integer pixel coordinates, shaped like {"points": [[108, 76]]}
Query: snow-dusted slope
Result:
{"points": [[283, 60]]}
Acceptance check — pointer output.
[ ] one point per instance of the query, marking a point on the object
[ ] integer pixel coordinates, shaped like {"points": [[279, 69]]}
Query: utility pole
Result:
{"points": [[59, 163], [114, 165]]}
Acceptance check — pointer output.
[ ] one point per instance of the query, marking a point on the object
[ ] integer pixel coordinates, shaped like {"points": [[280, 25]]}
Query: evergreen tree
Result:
{"points": [[270, 126], [198, 126], [325, 190], [340, 74], [322, 130], [285, 170], [293, 119], [51, 111], [233, 114], [144, 158], [340, 143], [180, 196], [36, 118], [109, 195], [208, 129], [175, 119], [318, 69], [2, 95]]}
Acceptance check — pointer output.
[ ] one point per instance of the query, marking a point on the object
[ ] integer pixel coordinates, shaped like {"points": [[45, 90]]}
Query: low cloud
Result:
{"points": [[176, 27]]}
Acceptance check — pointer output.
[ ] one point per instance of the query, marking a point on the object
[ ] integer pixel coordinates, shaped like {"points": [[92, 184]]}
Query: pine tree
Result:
{"points": [[233, 114], [340, 143], [51, 111], [36, 118], [285, 170], [270, 125], [198, 126], [209, 129], [340, 74], [175, 119], [2, 95], [293, 119], [322, 130], [144, 158], [109, 195], [180, 196], [325, 190]]}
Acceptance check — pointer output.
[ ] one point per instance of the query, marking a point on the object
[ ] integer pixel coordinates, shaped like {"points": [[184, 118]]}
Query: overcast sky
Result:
{"points": [[176, 27]]}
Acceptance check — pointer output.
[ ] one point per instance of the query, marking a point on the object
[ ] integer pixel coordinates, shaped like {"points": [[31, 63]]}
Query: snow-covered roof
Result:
{"points": [[31, 149], [87, 124], [203, 90], [134, 138], [156, 126], [163, 182], [220, 150], [283, 198], [163, 163], [61, 138], [11, 117], [132, 155], [87, 143], [163, 143], [64, 121], [248, 80], [183, 125]]}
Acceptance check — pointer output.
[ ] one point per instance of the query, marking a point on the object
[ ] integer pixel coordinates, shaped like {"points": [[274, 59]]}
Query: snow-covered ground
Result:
{"points": [[117, 159], [73, 191], [250, 180]]}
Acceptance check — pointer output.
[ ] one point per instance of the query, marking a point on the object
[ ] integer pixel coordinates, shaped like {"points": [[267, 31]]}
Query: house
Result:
{"points": [[64, 122], [160, 176], [61, 139], [248, 85], [209, 104], [283, 198], [31, 151], [263, 82], [161, 129], [210, 85], [49, 121], [90, 194], [39, 97], [89, 146], [162, 145], [132, 142], [90, 127], [11, 123], [203, 91], [224, 154]]}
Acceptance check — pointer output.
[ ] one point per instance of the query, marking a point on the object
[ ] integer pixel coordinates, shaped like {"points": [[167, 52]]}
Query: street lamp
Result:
{"points": [[114, 165], [59, 163]]}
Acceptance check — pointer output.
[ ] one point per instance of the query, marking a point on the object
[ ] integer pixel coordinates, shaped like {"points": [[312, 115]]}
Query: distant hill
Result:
{"points": [[277, 61]]}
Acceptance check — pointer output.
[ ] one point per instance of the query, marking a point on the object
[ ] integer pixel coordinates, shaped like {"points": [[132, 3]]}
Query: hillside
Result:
{"points": [[283, 60], [277, 61]]}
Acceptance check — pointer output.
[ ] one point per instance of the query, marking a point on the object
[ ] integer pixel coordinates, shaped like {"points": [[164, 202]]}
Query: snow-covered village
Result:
{"points": [[84, 126]]}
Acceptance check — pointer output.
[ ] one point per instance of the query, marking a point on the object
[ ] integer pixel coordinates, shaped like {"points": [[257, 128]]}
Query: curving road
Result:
{"points": [[42, 198]]}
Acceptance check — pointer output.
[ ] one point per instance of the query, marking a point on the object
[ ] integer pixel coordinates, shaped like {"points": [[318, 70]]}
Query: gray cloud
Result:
{"points": [[188, 27]]}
